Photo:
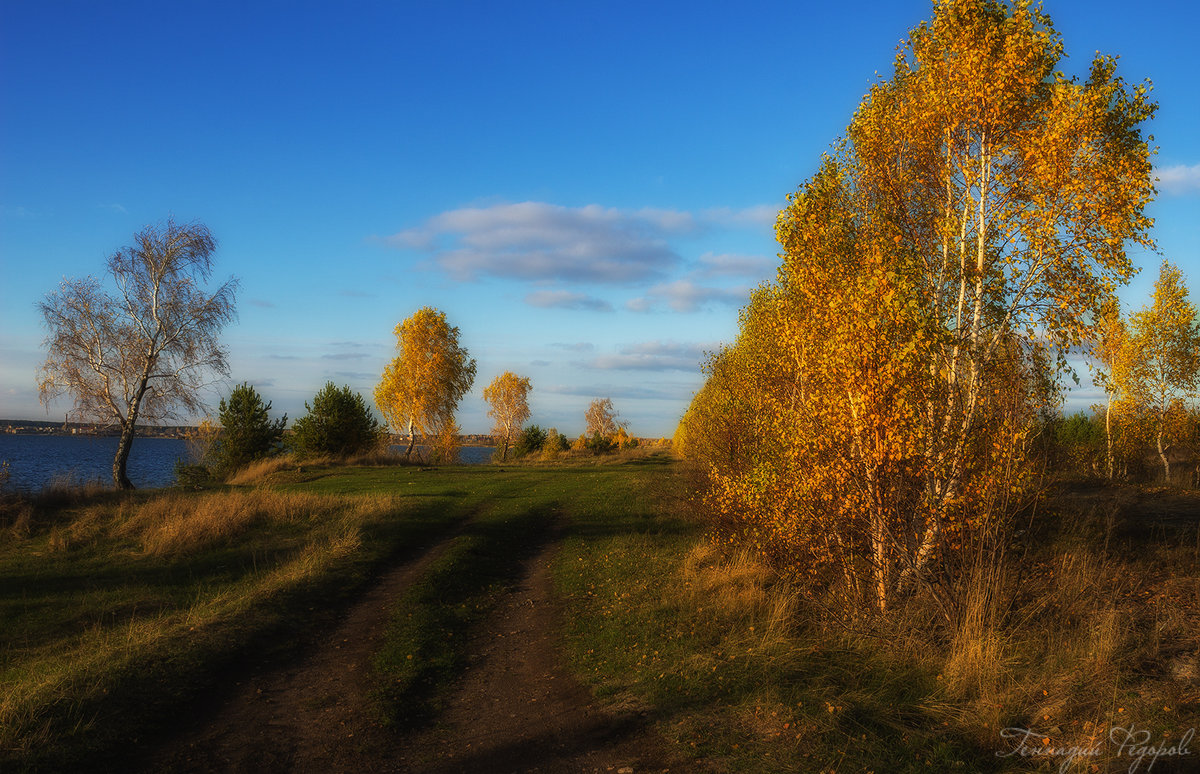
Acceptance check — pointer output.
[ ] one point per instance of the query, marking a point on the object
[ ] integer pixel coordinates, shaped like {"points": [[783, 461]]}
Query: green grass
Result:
{"points": [[428, 640], [101, 638], [712, 654], [111, 620]]}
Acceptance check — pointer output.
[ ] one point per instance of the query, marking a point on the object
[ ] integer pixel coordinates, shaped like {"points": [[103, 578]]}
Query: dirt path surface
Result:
{"points": [[313, 714], [516, 709]]}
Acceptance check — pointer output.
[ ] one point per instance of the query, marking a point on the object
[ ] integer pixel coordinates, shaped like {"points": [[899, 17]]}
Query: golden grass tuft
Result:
{"points": [[260, 470], [177, 523], [736, 586], [976, 664]]}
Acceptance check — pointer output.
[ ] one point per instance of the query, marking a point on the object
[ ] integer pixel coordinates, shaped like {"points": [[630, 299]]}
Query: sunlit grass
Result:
{"points": [[1087, 624], [118, 606]]}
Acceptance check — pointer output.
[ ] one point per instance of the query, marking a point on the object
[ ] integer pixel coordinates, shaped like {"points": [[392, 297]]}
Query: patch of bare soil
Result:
{"points": [[516, 709], [313, 714]]}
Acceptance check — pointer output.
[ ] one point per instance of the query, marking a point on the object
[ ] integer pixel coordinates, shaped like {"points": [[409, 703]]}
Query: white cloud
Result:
{"points": [[734, 265], [687, 296], [564, 299], [579, 346], [540, 241], [619, 392], [757, 216], [652, 356], [261, 303], [413, 238], [1179, 179]]}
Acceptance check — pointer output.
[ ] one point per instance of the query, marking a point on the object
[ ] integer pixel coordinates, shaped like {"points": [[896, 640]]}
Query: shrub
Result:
{"points": [[247, 434], [444, 445], [1079, 442], [555, 443], [192, 475], [531, 440], [338, 424], [600, 444]]}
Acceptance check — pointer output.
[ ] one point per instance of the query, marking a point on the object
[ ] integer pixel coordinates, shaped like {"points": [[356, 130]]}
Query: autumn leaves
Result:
{"points": [[873, 419], [1149, 366], [421, 387]]}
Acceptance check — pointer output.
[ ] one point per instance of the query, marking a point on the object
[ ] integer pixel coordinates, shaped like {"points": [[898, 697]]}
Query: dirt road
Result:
{"points": [[516, 709]]}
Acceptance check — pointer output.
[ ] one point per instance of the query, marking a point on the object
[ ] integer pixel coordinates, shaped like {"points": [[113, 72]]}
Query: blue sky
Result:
{"points": [[586, 189]]}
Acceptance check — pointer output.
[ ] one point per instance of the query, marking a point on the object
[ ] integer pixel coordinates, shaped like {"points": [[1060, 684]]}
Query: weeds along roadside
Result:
{"points": [[119, 608], [1091, 622], [710, 647]]}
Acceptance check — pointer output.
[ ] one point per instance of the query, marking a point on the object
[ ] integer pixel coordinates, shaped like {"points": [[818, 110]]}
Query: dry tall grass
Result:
{"points": [[738, 589], [261, 470], [175, 523], [1090, 622], [82, 667]]}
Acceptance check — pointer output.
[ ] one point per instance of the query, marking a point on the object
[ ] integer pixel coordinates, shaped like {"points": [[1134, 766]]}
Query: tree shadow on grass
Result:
{"points": [[427, 644], [145, 698]]}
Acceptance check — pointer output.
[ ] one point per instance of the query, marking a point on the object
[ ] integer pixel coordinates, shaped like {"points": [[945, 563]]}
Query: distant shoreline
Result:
{"points": [[46, 427]]}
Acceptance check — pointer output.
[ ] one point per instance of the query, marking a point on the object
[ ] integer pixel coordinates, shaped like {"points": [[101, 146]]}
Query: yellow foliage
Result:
{"points": [[1164, 360], [508, 395], [873, 418], [421, 387]]}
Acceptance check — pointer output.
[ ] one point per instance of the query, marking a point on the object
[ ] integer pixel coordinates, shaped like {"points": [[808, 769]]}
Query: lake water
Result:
{"points": [[36, 460], [467, 455]]}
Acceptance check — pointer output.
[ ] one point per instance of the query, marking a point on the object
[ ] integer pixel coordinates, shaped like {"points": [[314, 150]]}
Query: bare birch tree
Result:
{"points": [[143, 354]]}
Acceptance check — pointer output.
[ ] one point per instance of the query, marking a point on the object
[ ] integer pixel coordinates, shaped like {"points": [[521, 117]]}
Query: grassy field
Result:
{"points": [[116, 610]]}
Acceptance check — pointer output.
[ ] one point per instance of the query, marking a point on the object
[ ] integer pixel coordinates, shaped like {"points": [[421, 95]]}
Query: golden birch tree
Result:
{"points": [[975, 214], [601, 418], [508, 396], [1111, 349], [1165, 359], [421, 387]]}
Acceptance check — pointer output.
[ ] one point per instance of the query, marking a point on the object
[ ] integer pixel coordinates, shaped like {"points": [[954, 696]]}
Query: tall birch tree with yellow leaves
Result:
{"points": [[1112, 350], [421, 387], [965, 230], [1164, 368], [508, 396]]}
